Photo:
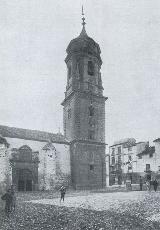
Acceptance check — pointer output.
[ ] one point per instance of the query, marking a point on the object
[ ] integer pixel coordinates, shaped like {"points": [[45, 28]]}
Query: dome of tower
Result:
{"points": [[84, 44]]}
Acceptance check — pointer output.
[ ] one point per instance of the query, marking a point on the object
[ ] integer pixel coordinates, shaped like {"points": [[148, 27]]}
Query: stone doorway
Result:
{"points": [[24, 169], [25, 180]]}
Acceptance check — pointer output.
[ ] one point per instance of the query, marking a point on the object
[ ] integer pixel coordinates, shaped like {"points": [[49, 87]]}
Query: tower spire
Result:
{"points": [[83, 32], [83, 18]]}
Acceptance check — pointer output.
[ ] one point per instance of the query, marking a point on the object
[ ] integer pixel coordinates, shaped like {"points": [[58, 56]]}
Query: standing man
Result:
{"points": [[13, 204], [155, 184], [63, 192], [7, 197], [140, 183]]}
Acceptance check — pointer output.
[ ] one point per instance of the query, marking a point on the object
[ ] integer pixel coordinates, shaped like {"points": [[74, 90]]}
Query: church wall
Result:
{"points": [[54, 163], [3, 162], [17, 143], [5, 169], [157, 154]]}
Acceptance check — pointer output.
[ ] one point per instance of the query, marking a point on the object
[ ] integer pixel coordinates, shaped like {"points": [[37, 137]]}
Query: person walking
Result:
{"points": [[155, 185], [63, 192], [7, 197], [141, 183]]}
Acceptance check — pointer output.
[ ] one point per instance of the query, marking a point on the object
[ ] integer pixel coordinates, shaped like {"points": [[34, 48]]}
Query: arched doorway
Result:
{"points": [[24, 168]]}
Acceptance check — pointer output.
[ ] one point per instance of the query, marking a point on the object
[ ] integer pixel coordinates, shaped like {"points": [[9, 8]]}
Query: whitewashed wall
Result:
{"points": [[5, 169], [54, 163]]}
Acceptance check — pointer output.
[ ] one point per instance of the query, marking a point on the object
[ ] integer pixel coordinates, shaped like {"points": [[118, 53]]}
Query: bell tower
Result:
{"points": [[84, 112]]}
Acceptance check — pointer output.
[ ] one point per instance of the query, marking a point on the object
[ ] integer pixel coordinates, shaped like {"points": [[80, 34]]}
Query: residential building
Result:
{"points": [[130, 160]]}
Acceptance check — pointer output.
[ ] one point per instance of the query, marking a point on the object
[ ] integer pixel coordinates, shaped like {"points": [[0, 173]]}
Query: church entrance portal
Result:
{"points": [[25, 180], [24, 169]]}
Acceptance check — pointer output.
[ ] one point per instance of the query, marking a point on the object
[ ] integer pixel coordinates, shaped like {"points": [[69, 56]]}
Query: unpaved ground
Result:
{"points": [[98, 201], [99, 211]]}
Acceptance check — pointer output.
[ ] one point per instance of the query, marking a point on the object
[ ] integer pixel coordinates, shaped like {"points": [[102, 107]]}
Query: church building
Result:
{"points": [[36, 160]]}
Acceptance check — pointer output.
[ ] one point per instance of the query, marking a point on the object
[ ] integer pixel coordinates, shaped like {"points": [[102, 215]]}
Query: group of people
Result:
{"points": [[10, 200], [149, 183]]}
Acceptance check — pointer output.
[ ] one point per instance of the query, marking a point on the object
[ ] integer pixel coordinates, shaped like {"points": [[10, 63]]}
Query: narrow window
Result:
{"points": [[113, 151], [113, 160], [69, 113], [91, 122], [119, 150], [119, 159], [90, 68], [91, 135], [147, 167], [91, 167], [91, 111], [129, 148], [69, 72], [151, 155]]}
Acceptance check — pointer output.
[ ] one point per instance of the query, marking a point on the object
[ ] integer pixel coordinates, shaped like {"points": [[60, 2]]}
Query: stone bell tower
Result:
{"points": [[84, 112]]}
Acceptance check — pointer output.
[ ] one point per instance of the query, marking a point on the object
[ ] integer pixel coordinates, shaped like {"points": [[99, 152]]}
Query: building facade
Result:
{"points": [[33, 160], [130, 160]]}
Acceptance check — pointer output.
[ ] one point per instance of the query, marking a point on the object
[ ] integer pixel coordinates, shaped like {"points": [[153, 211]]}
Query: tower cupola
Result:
{"points": [[83, 44], [83, 63]]}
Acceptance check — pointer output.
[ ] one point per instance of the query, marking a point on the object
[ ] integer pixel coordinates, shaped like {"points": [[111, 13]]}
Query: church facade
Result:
{"points": [[33, 160]]}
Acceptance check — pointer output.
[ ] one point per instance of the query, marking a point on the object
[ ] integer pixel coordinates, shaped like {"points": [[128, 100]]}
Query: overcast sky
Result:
{"points": [[34, 35]]}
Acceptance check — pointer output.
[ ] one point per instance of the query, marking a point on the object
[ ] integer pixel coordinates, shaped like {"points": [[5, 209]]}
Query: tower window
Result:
{"points": [[78, 70], [91, 122], [69, 113], [91, 135], [91, 111], [91, 167], [90, 68], [69, 72]]}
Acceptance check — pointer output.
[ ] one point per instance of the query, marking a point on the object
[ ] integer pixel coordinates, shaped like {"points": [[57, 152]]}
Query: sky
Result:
{"points": [[33, 41]]}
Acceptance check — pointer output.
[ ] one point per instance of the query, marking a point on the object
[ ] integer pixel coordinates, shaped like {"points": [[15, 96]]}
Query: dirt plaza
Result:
{"points": [[85, 210]]}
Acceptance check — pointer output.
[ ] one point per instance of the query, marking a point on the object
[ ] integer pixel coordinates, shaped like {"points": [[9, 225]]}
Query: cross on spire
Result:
{"points": [[83, 18], [83, 32]]}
